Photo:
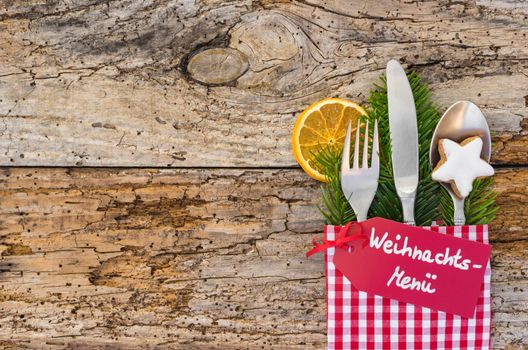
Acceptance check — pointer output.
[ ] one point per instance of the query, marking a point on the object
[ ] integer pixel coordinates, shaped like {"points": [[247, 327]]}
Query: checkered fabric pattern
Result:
{"points": [[358, 320]]}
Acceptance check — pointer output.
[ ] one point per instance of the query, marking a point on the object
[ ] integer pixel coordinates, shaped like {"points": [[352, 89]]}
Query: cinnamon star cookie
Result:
{"points": [[460, 164]]}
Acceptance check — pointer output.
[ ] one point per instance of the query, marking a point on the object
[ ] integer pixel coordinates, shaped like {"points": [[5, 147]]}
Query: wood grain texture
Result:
{"points": [[219, 83], [213, 258], [192, 259]]}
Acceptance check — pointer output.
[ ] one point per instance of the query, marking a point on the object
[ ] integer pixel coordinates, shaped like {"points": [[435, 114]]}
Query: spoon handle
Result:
{"points": [[459, 217]]}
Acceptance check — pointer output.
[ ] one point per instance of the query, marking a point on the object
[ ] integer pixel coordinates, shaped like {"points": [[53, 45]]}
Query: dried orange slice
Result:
{"points": [[322, 124]]}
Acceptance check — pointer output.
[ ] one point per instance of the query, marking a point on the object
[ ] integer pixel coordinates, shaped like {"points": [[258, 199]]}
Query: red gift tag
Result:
{"points": [[415, 265]]}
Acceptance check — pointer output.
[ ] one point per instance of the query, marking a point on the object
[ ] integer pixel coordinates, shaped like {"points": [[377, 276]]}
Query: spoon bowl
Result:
{"points": [[461, 121]]}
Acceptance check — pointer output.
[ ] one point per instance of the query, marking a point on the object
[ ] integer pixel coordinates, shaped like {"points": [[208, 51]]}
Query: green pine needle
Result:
{"points": [[479, 206], [386, 203], [432, 201], [336, 208]]}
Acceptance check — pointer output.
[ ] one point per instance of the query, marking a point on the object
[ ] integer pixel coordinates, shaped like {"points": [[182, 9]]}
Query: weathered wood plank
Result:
{"points": [[102, 83], [192, 259]]}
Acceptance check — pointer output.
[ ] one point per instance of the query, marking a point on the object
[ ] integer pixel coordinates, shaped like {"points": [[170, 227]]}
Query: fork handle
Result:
{"points": [[408, 210]]}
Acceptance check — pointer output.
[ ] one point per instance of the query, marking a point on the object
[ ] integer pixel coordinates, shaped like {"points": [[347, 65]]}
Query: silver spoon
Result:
{"points": [[462, 120]]}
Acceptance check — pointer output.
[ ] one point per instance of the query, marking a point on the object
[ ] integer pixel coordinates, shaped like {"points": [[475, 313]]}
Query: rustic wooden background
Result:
{"points": [[148, 194]]}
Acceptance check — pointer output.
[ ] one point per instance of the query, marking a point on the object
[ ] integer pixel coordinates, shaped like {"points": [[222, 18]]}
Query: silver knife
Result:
{"points": [[404, 138]]}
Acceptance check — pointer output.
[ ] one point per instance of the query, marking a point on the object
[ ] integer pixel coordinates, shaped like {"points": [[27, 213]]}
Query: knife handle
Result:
{"points": [[408, 209]]}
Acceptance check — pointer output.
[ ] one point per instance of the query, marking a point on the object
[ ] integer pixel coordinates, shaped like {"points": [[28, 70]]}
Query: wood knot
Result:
{"points": [[217, 66]]}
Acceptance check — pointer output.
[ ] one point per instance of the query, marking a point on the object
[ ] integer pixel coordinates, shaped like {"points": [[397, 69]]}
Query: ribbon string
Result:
{"points": [[343, 238]]}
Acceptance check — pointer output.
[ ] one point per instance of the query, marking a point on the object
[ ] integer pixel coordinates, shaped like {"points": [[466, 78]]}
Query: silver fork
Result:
{"points": [[359, 184]]}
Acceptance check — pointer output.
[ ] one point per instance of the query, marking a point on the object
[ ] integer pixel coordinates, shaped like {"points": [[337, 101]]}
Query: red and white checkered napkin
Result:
{"points": [[358, 320]]}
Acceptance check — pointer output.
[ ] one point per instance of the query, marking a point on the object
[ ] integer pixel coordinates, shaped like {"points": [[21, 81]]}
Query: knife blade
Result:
{"points": [[404, 138]]}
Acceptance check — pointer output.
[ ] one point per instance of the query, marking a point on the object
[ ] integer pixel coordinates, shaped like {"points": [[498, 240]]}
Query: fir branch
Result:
{"points": [[336, 210], [479, 207], [432, 202], [386, 203]]}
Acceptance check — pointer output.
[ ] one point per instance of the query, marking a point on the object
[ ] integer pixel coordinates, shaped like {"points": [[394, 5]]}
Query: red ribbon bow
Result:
{"points": [[342, 238]]}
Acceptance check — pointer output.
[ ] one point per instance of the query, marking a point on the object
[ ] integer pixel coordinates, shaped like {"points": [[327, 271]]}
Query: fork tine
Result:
{"points": [[374, 162], [345, 158], [364, 164], [356, 147]]}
